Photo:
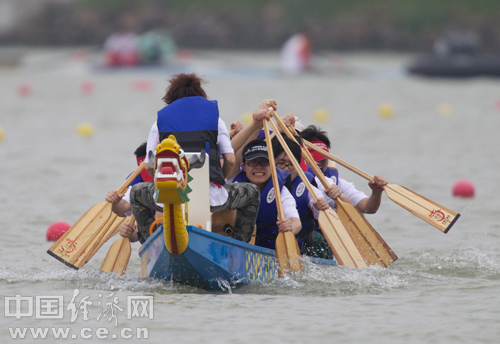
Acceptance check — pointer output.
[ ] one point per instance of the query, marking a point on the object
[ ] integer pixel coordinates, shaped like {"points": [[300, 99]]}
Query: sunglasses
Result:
{"points": [[254, 163]]}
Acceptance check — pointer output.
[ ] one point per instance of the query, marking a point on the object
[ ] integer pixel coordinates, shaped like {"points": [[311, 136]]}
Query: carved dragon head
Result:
{"points": [[171, 172]]}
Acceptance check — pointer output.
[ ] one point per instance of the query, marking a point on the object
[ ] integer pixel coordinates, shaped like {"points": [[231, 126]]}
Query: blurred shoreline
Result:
{"points": [[405, 26]]}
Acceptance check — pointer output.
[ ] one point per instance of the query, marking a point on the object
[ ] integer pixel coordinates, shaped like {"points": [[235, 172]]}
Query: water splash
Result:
{"points": [[419, 269]]}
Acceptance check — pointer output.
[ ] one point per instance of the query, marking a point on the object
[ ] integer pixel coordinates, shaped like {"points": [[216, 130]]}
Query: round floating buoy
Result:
{"points": [[24, 90], [463, 188], [1, 134], [87, 87], [445, 109], [56, 230], [184, 56], [142, 85], [320, 115], [385, 110], [85, 130], [247, 118]]}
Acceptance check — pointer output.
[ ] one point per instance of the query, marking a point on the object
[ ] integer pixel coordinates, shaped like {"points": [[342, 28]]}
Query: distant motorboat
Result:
{"points": [[457, 55], [457, 66]]}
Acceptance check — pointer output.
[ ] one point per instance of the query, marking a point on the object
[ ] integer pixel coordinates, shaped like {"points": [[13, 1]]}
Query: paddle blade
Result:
{"points": [[106, 232], [281, 255], [431, 212], [340, 240], [365, 237], [293, 252], [117, 258], [76, 240]]}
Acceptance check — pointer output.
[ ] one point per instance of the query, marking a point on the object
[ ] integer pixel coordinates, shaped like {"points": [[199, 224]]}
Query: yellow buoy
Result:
{"points": [[247, 118], [385, 110], [320, 115], [85, 129], [445, 109], [1, 134]]}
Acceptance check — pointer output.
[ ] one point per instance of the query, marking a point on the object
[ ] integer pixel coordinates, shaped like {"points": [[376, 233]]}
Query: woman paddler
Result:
{"points": [[194, 121], [256, 170], [306, 206]]}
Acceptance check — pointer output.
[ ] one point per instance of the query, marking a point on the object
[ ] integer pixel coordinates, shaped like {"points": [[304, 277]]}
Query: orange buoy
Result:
{"points": [[56, 230], [463, 188]]}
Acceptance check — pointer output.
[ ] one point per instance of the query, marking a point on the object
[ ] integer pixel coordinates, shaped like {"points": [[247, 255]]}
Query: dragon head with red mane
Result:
{"points": [[171, 172]]}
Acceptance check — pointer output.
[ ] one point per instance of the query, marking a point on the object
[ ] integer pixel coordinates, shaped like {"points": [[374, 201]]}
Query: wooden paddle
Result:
{"points": [[337, 235], [118, 255], [94, 222], [431, 212], [364, 235], [287, 248], [109, 229]]}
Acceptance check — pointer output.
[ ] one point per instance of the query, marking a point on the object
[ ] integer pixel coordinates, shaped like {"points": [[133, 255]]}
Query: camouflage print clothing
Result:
{"points": [[245, 198], [143, 206], [321, 249]]}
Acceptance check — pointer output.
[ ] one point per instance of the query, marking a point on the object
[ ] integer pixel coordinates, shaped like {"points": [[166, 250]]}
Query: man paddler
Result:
{"points": [[365, 204], [194, 121]]}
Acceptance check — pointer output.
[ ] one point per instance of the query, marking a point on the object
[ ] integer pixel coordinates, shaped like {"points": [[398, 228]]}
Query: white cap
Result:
{"points": [[298, 124]]}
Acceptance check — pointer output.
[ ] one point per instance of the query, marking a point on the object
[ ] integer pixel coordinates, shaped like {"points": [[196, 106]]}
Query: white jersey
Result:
{"points": [[218, 195], [347, 188]]}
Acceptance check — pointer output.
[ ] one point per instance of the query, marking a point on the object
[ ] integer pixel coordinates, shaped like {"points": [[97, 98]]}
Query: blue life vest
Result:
{"points": [[194, 121], [300, 193], [330, 173], [267, 230]]}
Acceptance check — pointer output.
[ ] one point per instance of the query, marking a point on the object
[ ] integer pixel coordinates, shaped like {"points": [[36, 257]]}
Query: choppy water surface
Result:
{"points": [[443, 289]]}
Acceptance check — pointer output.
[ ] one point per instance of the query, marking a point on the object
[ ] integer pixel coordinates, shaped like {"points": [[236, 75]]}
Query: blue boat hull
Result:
{"points": [[211, 261]]}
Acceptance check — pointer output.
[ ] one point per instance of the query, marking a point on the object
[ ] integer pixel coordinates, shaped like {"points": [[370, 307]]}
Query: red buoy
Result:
{"points": [[24, 90], [463, 188], [56, 230], [87, 87]]}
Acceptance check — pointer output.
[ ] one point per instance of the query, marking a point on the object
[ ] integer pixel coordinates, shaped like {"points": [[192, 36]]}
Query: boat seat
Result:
{"points": [[197, 210]]}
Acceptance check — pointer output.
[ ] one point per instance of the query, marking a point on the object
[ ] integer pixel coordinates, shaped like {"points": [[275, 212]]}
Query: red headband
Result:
{"points": [[144, 174], [318, 156]]}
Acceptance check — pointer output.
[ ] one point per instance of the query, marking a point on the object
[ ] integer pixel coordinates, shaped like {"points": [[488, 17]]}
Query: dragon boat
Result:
{"points": [[185, 250]]}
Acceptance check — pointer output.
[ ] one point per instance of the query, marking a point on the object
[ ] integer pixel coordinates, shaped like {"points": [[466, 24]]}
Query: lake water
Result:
{"points": [[443, 288]]}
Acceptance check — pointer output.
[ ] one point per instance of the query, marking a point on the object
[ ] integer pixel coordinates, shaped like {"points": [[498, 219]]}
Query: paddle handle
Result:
{"points": [[295, 164], [338, 160], [129, 180], [132, 219], [277, 191]]}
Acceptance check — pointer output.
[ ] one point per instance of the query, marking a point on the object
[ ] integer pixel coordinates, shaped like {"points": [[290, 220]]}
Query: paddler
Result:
{"points": [[194, 121], [121, 202], [257, 170], [365, 204], [306, 206]]}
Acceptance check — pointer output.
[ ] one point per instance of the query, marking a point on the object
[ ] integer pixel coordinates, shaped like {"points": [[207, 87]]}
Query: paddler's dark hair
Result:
{"points": [[314, 133], [184, 85], [294, 147], [141, 150]]}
